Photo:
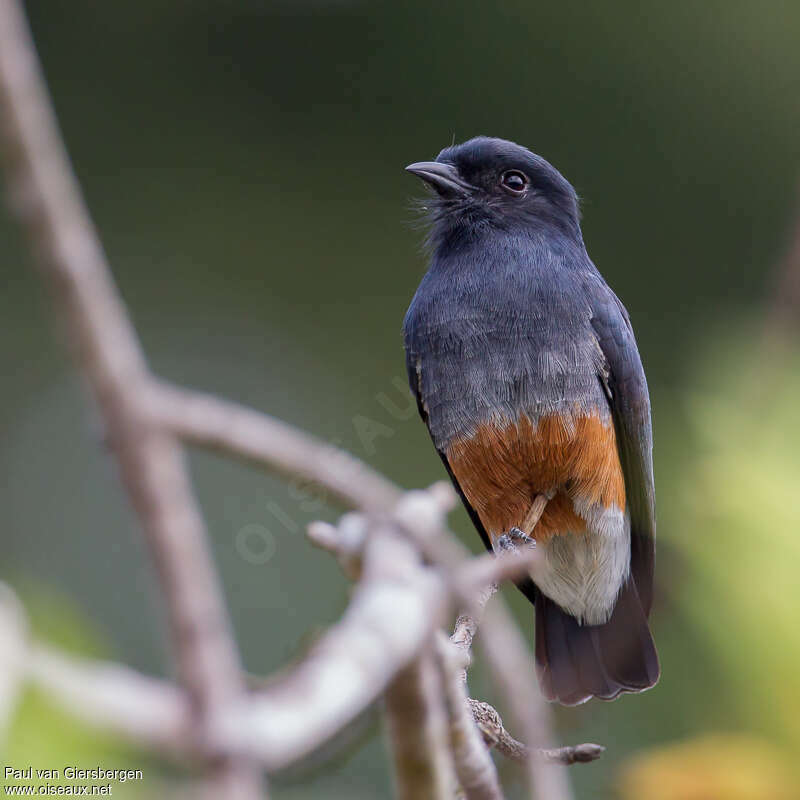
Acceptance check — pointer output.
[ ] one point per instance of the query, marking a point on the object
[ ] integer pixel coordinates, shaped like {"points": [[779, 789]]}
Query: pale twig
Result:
{"points": [[48, 203], [511, 665], [514, 671], [345, 541], [485, 573], [503, 565], [428, 722], [484, 714], [394, 610], [421, 516], [144, 710], [475, 770], [496, 736], [467, 623], [237, 431], [117, 699], [417, 731], [416, 718]]}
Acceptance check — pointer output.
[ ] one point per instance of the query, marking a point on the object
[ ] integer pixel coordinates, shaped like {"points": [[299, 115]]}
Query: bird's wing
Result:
{"points": [[413, 366], [626, 387]]}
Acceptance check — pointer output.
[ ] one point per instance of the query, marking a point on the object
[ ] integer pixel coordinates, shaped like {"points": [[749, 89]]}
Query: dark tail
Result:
{"points": [[575, 662]]}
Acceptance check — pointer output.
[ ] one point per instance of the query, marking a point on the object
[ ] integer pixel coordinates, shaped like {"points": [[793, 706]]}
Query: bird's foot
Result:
{"points": [[512, 541]]}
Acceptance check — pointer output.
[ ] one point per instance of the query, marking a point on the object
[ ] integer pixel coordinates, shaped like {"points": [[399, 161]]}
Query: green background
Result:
{"points": [[244, 164]]}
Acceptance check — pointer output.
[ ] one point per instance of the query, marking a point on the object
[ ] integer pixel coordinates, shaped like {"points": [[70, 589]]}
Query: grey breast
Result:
{"points": [[494, 348]]}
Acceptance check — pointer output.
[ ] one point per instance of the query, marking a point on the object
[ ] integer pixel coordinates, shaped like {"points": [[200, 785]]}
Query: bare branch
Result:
{"points": [[513, 669], [467, 625], [510, 565], [510, 661], [50, 208], [115, 698], [472, 581], [486, 717], [413, 704], [484, 574], [507, 565], [345, 541], [144, 710], [394, 610], [495, 735], [476, 772], [207, 421], [418, 734]]}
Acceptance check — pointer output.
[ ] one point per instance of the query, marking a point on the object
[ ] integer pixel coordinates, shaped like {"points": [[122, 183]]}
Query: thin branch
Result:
{"points": [[467, 625], [413, 703], [514, 672], [108, 696], [418, 733], [394, 610], [486, 717], [473, 583], [510, 662], [49, 206], [496, 736], [476, 772], [115, 698], [210, 422], [485, 573]]}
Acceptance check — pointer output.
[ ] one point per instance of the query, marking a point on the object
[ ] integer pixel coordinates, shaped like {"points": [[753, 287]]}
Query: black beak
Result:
{"points": [[444, 178]]}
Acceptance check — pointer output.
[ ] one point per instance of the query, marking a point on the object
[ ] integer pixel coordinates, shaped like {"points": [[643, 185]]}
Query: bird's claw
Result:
{"points": [[513, 540]]}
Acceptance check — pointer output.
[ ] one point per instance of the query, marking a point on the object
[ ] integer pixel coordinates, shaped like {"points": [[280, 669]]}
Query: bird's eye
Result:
{"points": [[515, 181]]}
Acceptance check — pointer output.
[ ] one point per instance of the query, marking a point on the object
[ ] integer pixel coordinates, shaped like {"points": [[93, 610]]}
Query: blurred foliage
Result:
{"points": [[45, 737], [722, 767], [735, 524], [243, 161], [739, 532]]}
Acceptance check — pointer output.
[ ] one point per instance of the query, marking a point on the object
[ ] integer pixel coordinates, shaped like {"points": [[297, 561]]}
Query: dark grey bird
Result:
{"points": [[527, 374]]}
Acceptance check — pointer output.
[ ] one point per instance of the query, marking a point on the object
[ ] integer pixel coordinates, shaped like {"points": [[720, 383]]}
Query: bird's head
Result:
{"points": [[493, 183]]}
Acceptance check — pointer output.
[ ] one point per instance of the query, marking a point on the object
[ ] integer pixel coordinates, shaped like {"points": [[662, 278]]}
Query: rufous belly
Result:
{"points": [[502, 467], [584, 532]]}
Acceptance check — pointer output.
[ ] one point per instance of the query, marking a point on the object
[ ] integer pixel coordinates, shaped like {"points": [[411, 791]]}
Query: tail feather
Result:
{"points": [[576, 662]]}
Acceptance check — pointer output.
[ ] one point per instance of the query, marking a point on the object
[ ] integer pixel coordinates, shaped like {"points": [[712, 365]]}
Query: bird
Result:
{"points": [[528, 377]]}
